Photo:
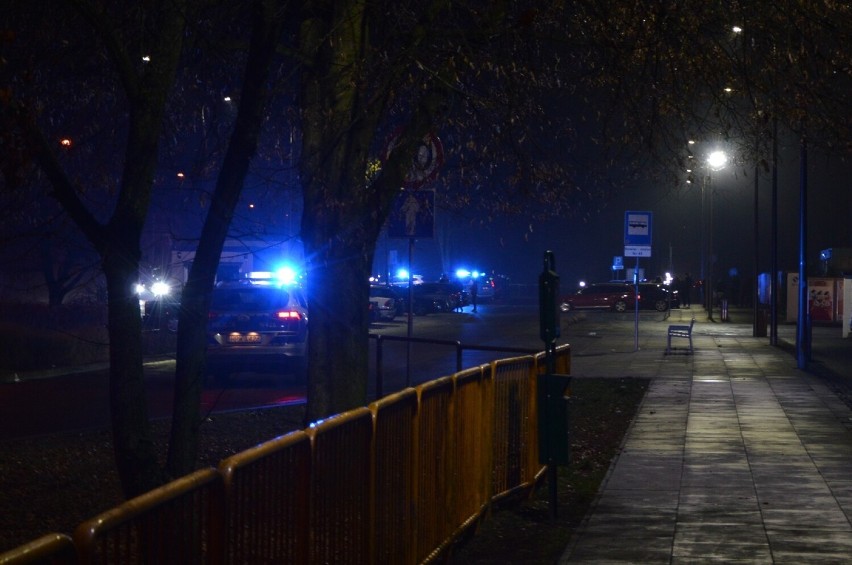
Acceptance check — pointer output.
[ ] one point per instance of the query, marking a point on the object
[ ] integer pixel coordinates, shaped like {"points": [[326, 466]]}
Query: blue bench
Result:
{"points": [[682, 331]]}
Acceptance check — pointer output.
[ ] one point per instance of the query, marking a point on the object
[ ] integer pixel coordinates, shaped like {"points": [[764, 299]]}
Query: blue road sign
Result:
{"points": [[413, 215], [637, 229]]}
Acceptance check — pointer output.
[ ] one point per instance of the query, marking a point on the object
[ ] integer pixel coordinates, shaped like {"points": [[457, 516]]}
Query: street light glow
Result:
{"points": [[717, 160], [160, 288]]}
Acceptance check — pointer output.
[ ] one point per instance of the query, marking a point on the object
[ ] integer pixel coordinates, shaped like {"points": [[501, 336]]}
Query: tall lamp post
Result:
{"points": [[715, 162]]}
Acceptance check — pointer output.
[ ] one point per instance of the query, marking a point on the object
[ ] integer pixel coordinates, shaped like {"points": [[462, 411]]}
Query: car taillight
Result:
{"points": [[288, 315]]}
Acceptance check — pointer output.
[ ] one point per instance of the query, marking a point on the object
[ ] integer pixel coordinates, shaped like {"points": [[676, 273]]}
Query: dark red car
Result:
{"points": [[601, 296]]}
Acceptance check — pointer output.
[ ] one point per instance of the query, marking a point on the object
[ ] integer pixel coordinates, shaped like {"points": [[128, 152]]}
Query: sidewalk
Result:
{"points": [[736, 456]]}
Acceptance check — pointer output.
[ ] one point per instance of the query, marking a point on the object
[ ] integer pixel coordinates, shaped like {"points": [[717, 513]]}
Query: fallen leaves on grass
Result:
{"points": [[52, 484], [601, 413]]}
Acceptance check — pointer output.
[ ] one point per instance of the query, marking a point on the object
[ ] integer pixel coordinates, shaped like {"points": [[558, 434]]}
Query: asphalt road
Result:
{"points": [[79, 400]]}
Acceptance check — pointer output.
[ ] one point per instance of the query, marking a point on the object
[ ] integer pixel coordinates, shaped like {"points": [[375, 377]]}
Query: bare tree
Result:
{"points": [[533, 104], [143, 48]]}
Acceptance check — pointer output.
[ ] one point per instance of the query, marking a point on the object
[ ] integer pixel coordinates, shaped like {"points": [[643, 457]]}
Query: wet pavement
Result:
{"points": [[735, 456]]}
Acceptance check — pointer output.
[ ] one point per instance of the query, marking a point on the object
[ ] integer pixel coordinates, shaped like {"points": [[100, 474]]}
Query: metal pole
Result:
{"points": [[636, 306], [773, 267], [803, 323], [710, 261], [380, 374], [756, 285], [410, 311], [703, 243]]}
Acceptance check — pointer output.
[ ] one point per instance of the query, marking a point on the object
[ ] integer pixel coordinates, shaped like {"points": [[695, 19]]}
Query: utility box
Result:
{"points": [[554, 426]]}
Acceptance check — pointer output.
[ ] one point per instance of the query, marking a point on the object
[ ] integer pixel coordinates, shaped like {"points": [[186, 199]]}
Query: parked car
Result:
{"points": [[604, 296], [658, 296], [439, 297], [161, 314], [256, 327], [486, 289], [388, 302]]}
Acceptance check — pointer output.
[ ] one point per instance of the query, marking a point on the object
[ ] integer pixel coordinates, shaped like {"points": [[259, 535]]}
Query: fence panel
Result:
{"points": [[473, 415], [50, 549], [341, 488], [394, 449], [515, 434], [395, 483], [267, 501], [563, 359], [172, 524], [432, 466]]}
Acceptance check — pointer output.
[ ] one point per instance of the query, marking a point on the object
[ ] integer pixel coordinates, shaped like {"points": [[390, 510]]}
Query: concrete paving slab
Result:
{"points": [[735, 456]]}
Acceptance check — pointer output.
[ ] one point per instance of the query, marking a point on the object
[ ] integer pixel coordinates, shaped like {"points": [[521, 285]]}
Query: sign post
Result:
{"points": [[617, 264], [637, 243], [413, 217]]}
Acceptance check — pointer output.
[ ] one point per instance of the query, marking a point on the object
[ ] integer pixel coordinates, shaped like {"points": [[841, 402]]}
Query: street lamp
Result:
{"points": [[715, 162]]}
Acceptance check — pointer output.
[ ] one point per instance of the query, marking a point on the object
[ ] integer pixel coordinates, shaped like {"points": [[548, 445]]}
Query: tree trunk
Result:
{"points": [[338, 348], [195, 302], [135, 455], [189, 375]]}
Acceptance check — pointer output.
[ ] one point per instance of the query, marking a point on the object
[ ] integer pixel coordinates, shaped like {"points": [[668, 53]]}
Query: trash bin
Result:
{"points": [[762, 322]]}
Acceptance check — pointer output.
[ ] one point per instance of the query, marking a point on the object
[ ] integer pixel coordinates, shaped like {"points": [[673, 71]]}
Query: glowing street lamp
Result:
{"points": [[715, 162], [160, 288]]}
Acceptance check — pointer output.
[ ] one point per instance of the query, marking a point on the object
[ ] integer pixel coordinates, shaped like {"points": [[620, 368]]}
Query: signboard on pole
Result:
{"points": [[637, 228], [637, 250], [637, 234], [637, 243], [413, 215]]}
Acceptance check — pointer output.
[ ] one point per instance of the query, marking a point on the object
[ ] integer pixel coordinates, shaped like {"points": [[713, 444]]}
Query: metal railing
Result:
{"points": [[456, 344], [395, 482], [50, 548], [176, 523]]}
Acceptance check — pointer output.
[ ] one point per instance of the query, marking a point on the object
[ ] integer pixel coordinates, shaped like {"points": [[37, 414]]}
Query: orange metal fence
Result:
{"points": [[267, 497], [175, 523], [49, 549], [394, 457], [395, 482]]}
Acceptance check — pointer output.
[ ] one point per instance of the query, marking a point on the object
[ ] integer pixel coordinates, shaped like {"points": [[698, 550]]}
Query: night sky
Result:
{"points": [[585, 250]]}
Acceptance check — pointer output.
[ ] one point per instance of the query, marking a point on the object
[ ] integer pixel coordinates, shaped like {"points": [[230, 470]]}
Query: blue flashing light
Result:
{"points": [[402, 274], [286, 275], [259, 275], [464, 274]]}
